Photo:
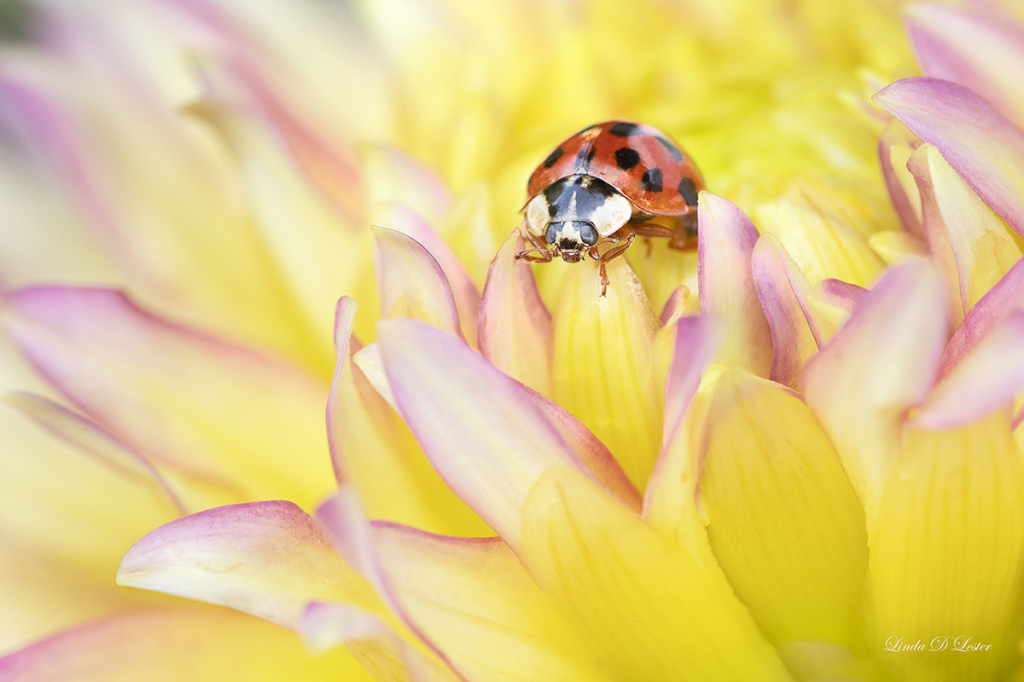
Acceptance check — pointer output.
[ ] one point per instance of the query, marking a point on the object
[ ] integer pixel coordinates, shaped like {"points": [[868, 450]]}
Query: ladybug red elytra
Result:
{"points": [[607, 184]]}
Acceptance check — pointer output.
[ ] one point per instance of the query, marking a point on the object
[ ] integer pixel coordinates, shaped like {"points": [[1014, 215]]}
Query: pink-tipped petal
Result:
{"points": [[984, 380], [264, 558], [894, 149], [674, 306], [670, 499], [726, 289], [697, 340], [1002, 301], [882, 362], [840, 294], [94, 441], [982, 146], [372, 642], [591, 451], [411, 282], [465, 292], [342, 519], [197, 643], [375, 452], [479, 428], [975, 46], [514, 325], [967, 240], [203, 407], [782, 288]]}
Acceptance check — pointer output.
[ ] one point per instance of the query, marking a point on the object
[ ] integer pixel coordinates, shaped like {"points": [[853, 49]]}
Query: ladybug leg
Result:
{"points": [[613, 253], [544, 252], [653, 230]]}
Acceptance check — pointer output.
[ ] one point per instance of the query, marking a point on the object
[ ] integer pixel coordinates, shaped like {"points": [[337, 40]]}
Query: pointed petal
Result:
{"points": [[92, 440], [984, 380], [604, 370], [982, 146], [371, 642], [697, 341], [981, 246], [894, 150], [369, 361], [670, 501], [205, 408], [482, 608], [515, 325], [412, 283], [977, 47], [1002, 301], [834, 300], [342, 519], [264, 558], [464, 291], [195, 644], [726, 290], [374, 450], [478, 427], [779, 500], [883, 361], [951, 501], [784, 291], [645, 608]]}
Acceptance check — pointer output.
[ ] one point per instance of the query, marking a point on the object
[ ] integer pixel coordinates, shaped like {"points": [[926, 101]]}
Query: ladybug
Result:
{"points": [[607, 184]]}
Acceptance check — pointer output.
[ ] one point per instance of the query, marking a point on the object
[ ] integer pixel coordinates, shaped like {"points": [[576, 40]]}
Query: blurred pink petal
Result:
{"points": [[210, 410], [882, 362], [976, 46], [984, 380], [982, 146]]}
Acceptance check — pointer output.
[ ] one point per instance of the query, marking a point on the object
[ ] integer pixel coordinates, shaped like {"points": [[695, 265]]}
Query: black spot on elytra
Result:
{"points": [[623, 129], [688, 190], [651, 180], [672, 149], [553, 157], [627, 158]]}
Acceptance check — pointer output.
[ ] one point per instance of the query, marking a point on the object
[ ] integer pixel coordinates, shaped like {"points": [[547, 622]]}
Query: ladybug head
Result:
{"points": [[571, 238], [574, 212]]}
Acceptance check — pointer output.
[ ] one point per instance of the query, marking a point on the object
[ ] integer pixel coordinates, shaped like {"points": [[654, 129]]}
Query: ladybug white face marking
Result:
{"points": [[575, 211]]}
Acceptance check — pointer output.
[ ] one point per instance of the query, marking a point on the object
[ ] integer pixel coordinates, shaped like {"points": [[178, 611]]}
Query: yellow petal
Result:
{"points": [[786, 526], [479, 605], [823, 249], [66, 517], [604, 366], [645, 608], [982, 247], [894, 246], [945, 559]]}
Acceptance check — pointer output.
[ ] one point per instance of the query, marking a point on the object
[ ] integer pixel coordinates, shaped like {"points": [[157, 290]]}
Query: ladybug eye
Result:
{"points": [[588, 234], [537, 215], [552, 234]]}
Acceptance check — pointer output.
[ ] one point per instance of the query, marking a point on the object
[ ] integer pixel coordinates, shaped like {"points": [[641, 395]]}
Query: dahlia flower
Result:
{"points": [[794, 453]]}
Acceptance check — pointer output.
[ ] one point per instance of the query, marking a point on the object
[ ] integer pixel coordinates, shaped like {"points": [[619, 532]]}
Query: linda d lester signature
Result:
{"points": [[959, 643]]}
